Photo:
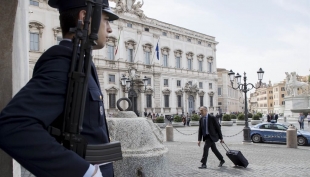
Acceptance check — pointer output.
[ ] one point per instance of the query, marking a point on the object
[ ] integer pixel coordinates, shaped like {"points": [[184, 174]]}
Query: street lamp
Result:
{"points": [[129, 84], [244, 88]]}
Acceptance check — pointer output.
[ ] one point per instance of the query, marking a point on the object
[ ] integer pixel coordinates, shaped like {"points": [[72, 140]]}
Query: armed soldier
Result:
{"points": [[25, 121]]}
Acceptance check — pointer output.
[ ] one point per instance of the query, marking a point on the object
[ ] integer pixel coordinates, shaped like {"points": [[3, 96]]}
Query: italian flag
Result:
{"points": [[118, 42]]}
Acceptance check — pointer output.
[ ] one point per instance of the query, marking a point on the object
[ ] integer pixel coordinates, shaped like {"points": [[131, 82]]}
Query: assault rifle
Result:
{"points": [[69, 134]]}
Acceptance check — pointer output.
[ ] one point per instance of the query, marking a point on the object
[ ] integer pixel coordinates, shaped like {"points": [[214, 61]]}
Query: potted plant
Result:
{"points": [[255, 120], [233, 117], [226, 121], [177, 121], [240, 119], [250, 116], [260, 115], [195, 119], [160, 121]]}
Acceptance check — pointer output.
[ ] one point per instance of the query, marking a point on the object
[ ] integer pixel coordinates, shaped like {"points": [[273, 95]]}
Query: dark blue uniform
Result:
{"points": [[24, 121]]}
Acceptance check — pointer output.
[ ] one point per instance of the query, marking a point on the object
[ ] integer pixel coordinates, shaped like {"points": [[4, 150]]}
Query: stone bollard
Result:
{"points": [[284, 119], [291, 137], [169, 133]]}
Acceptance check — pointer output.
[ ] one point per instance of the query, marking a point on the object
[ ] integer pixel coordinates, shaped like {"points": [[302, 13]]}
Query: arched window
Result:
{"points": [[130, 48], [111, 43], [35, 32], [210, 64], [200, 62], [165, 53], [147, 49], [189, 56], [178, 57]]}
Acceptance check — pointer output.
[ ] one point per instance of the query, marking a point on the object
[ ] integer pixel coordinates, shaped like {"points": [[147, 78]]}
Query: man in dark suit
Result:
{"points": [[210, 132], [40, 103], [276, 117]]}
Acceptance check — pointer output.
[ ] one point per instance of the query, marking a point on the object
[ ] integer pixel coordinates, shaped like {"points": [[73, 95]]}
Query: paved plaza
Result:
{"points": [[274, 160]]}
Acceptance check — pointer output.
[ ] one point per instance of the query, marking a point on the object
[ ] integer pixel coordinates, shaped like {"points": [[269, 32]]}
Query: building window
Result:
{"points": [[189, 40], [219, 91], [283, 102], [110, 52], [129, 25], [210, 85], [111, 78], [34, 42], [189, 63], [209, 45], [34, 3], [211, 101], [59, 39], [166, 99], [210, 67], [148, 100], [190, 83], [147, 58], [199, 42], [200, 66], [165, 60], [220, 103], [177, 37], [200, 85], [178, 62], [178, 83], [146, 29], [166, 82], [112, 100], [130, 55], [282, 89], [282, 95], [179, 101], [148, 81], [270, 104], [164, 34], [201, 100]]}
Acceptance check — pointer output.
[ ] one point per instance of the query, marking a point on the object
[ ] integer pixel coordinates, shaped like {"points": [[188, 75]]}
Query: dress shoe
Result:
{"points": [[221, 163], [203, 166]]}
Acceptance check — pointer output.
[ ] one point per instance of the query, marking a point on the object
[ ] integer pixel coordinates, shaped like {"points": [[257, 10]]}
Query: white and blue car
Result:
{"points": [[276, 132]]}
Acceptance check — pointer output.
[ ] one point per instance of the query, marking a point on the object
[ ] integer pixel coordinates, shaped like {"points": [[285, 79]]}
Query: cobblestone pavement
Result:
{"points": [[265, 159]]}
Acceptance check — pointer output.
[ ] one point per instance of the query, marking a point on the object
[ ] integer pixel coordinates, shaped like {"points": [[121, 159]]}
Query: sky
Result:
{"points": [[270, 34]]}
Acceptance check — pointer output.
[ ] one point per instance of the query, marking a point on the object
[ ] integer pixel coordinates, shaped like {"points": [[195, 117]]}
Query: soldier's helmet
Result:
{"points": [[63, 5]]}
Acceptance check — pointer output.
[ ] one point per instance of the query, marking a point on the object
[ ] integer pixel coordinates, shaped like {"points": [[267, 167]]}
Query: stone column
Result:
{"points": [[142, 101], [14, 61]]}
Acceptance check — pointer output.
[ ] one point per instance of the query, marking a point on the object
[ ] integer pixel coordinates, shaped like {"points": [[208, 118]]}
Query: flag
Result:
{"points": [[118, 42], [157, 51]]}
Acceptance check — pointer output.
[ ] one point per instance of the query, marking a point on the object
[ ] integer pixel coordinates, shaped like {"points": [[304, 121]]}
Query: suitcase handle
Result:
{"points": [[224, 147]]}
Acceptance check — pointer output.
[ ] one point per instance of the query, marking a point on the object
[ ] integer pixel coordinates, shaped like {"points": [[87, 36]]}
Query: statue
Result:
{"points": [[292, 84], [136, 8], [120, 6]]}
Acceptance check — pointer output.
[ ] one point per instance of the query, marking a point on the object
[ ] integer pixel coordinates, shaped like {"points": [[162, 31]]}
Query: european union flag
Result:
{"points": [[157, 51]]}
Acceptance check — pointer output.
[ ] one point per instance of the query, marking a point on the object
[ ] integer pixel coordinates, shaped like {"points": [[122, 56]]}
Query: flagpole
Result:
{"points": [[155, 49]]}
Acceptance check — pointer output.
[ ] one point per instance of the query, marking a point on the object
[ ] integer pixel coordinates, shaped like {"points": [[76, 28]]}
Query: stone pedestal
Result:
{"points": [[142, 147], [297, 102]]}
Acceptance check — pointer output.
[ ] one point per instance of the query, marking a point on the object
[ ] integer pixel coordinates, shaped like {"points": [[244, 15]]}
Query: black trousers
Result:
{"points": [[209, 143]]}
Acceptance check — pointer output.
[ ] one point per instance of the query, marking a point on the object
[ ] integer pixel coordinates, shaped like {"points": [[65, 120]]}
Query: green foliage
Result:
{"points": [[226, 117], [195, 117], [160, 119], [177, 118], [233, 116], [259, 114], [250, 115], [255, 117], [240, 117]]}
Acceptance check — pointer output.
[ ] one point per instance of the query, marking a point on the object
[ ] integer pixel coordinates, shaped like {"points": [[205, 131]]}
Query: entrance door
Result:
{"points": [[191, 104]]}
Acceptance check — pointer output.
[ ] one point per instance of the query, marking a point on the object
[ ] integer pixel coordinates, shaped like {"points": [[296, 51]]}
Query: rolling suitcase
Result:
{"points": [[236, 157]]}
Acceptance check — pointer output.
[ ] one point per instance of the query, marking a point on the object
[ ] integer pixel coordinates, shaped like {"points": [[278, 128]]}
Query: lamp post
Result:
{"points": [[129, 84], [244, 88]]}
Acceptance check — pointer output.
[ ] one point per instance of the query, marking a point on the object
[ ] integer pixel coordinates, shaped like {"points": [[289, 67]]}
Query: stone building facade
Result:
{"points": [[181, 76], [229, 100]]}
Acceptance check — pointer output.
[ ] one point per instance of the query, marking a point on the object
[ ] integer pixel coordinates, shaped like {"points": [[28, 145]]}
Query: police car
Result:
{"points": [[276, 132]]}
